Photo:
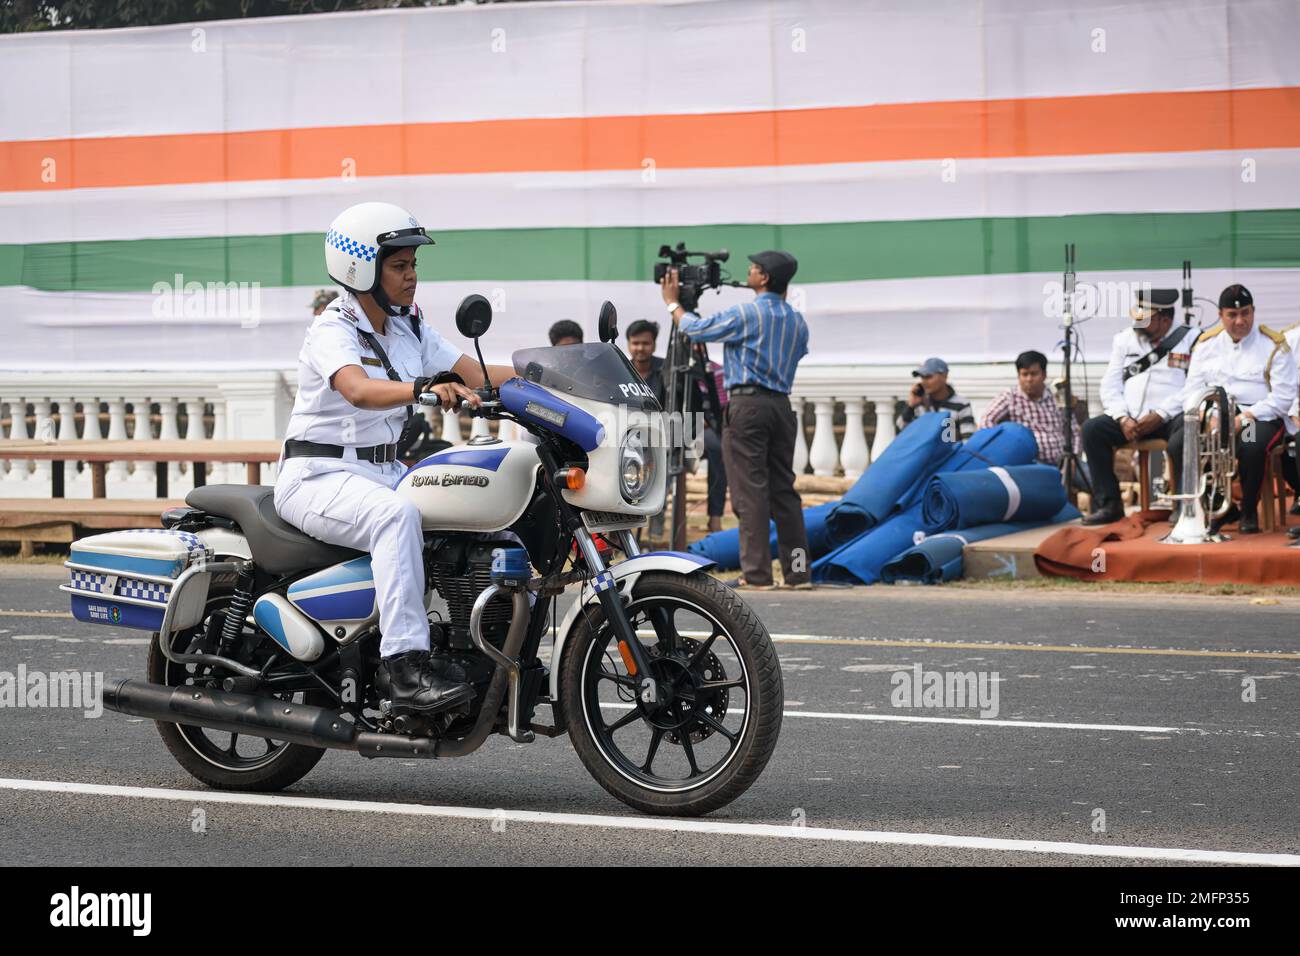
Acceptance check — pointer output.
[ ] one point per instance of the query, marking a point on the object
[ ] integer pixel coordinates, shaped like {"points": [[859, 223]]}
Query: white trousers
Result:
{"points": [[352, 504]]}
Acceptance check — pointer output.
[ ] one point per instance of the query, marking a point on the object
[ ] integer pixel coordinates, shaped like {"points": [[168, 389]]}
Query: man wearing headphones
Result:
{"points": [[366, 359]]}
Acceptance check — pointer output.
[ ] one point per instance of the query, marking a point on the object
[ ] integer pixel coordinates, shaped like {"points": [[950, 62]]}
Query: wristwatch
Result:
{"points": [[673, 307]]}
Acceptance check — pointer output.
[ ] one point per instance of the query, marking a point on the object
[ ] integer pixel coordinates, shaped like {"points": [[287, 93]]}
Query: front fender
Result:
{"points": [[625, 577]]}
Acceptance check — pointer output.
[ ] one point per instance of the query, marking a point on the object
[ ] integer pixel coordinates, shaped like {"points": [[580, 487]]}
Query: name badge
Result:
{"points": [[366, 360]]}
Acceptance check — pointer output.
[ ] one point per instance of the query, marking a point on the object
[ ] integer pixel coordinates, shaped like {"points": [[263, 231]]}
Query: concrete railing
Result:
{"points": [[848, 403]]}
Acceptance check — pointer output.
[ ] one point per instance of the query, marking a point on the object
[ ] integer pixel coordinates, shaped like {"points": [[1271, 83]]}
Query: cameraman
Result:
{"points": [[763, 342]]}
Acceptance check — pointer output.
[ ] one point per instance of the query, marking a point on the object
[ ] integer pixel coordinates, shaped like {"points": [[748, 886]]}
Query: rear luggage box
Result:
{"points": [[128, 579]]}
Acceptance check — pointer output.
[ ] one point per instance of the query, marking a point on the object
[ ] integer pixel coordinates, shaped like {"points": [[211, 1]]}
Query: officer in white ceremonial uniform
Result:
{"points": [[1255, 366], [364, 361], [1141, 393]]}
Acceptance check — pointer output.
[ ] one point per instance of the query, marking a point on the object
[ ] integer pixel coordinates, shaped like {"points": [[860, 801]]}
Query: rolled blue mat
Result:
{"points": [[1006, 444], [940, 557], [876, 495], [1017, 494], [724, 546], [860, 561], [921, 451]]}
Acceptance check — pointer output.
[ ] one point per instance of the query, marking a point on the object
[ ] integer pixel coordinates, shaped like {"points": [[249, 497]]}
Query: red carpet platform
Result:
{"points": [[1131, 550]]}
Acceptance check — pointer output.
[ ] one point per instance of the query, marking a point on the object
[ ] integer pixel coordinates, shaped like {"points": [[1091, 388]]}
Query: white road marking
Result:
{"points": [[971, 721], [664, 824]]}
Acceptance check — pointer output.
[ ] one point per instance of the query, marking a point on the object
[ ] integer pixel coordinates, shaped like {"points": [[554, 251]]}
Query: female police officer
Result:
{"points": [[364, 361]]}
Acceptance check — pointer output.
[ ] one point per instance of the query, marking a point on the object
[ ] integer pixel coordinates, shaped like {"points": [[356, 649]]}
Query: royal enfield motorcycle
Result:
{"points": [[266, 641]]}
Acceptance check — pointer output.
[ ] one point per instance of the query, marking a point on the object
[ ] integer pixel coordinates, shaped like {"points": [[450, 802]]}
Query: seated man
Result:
{"points": [[565, 332], [1141, 394], [1031, 405], [934, 394], [1256, 368]]}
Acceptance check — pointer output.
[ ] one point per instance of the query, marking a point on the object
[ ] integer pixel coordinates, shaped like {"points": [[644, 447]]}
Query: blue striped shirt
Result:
{"points": [[763, 341]]}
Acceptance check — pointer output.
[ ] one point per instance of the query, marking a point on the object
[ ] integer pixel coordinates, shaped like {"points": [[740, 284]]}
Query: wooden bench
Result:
{"points": [[98, 454], [63, 520]]}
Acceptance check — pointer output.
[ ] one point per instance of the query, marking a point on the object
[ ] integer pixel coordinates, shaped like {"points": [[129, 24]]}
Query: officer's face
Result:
{"points": [[1157, 325], [641, 347], [1238, 322], [398, 277]]}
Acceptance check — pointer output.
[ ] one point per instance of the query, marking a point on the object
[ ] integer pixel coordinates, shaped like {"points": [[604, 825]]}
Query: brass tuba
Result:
{"points": [[1209, 467]]}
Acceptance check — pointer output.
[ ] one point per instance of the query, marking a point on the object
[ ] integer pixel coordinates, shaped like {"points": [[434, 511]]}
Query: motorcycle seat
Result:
{"points": [[277, 546]]}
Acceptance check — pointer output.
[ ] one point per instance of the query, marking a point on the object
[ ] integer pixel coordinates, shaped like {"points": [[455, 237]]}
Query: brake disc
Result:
{"points": [[714, 703]]}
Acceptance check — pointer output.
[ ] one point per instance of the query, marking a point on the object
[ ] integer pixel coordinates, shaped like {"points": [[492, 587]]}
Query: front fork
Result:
{"points": [[615, 613]]}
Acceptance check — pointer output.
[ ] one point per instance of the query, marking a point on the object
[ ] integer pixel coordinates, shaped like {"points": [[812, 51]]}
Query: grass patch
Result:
{"points": [[1122, 587]]}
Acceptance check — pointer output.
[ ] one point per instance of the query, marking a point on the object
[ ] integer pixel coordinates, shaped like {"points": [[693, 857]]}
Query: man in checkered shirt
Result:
{"points": [[1030, 404]]}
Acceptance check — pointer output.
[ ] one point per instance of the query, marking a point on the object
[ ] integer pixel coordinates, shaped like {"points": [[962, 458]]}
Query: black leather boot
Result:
{"points": [[413, 685], [1105, 513]]}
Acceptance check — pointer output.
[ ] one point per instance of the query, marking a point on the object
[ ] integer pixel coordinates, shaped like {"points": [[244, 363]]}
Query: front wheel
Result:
{"points": [[714, 717]]}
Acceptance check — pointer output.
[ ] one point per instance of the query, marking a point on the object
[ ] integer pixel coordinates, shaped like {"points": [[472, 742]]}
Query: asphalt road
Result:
{"points": [[1179, 761]]}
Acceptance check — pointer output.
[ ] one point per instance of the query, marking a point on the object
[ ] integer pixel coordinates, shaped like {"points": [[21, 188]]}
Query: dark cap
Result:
{"points": [[780, 266], [1235, 297], [1157, 298], [931, 366], [1150, 302]]}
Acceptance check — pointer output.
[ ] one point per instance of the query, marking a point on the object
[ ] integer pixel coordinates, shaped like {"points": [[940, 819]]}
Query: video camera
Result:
{"points": [[694, 278]]}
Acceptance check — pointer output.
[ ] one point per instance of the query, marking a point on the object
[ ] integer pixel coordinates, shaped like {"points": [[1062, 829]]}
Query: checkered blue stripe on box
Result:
{"points": [[197, 549], [144, 590], [126, 587], [350, 246], [87, 581]]}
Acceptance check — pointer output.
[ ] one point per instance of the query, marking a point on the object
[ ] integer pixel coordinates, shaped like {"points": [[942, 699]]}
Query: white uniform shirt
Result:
{"points": [[1292, 335], [1159, 389], [320, 413], [1239, 367]]}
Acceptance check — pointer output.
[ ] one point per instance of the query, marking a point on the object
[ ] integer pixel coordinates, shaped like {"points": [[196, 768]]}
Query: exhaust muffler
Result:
{"points": [[262, 716]]}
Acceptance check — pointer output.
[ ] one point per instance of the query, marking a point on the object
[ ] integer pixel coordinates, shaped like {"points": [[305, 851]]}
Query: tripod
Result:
{"points": [[1071, 471], [686, 367]]}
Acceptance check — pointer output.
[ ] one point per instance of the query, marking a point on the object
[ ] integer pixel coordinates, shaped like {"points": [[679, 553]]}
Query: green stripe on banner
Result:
{"points": [[827, 252]]}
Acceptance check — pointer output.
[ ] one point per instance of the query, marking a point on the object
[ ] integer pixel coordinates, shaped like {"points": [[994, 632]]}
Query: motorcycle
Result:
{"points": [[266, 641]]}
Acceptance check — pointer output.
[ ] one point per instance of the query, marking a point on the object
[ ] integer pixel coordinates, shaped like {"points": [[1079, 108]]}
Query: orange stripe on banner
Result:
{"points": [[1052, 126]]}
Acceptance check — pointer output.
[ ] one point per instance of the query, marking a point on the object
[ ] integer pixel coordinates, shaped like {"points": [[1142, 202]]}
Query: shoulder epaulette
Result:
{"points": [[1278, 338], [1210, 333]]}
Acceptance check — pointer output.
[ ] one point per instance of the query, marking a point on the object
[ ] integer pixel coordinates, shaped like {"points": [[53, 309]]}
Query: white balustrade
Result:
{"points": [[256, 405], [117, 472], [800, 463], [451, 427], [42, 430], [853, 452], [885, 428], [824, 456]]}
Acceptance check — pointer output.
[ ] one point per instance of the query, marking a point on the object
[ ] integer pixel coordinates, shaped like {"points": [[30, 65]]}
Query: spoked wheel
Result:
{"points": [[224, 760], [710, 726]]}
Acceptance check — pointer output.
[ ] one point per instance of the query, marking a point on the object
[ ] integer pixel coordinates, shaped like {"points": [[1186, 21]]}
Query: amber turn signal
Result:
{"points": [[571, 478]]}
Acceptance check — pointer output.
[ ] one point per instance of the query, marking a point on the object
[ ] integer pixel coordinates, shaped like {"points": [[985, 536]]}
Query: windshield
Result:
{"points": [[592, 370]]}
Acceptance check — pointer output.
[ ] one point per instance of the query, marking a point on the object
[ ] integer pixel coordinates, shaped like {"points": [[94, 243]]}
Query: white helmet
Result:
{"points": [[361, 236]]}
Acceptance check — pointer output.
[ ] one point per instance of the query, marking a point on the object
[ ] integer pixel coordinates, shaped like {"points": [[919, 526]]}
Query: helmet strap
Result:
{"points": [[377, 293]]}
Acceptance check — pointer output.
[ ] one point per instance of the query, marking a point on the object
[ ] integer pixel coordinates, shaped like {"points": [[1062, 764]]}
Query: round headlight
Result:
{"points": [[635, 466]]}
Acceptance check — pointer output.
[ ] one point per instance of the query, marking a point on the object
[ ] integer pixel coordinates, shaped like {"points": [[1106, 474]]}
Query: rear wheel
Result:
{"points": [[716, 716], [223, 760]]}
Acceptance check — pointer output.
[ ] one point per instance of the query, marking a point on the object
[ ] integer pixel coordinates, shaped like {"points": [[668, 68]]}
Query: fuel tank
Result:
{"points": [[482, 486]]}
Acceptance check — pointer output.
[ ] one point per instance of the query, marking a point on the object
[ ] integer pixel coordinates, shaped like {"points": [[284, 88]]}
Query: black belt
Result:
{"points": [[755, 390], [375, 454]]}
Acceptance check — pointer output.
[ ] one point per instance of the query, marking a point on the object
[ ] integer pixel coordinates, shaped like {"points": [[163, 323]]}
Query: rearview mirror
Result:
{"points": [[473, 316], [607, 324]]}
